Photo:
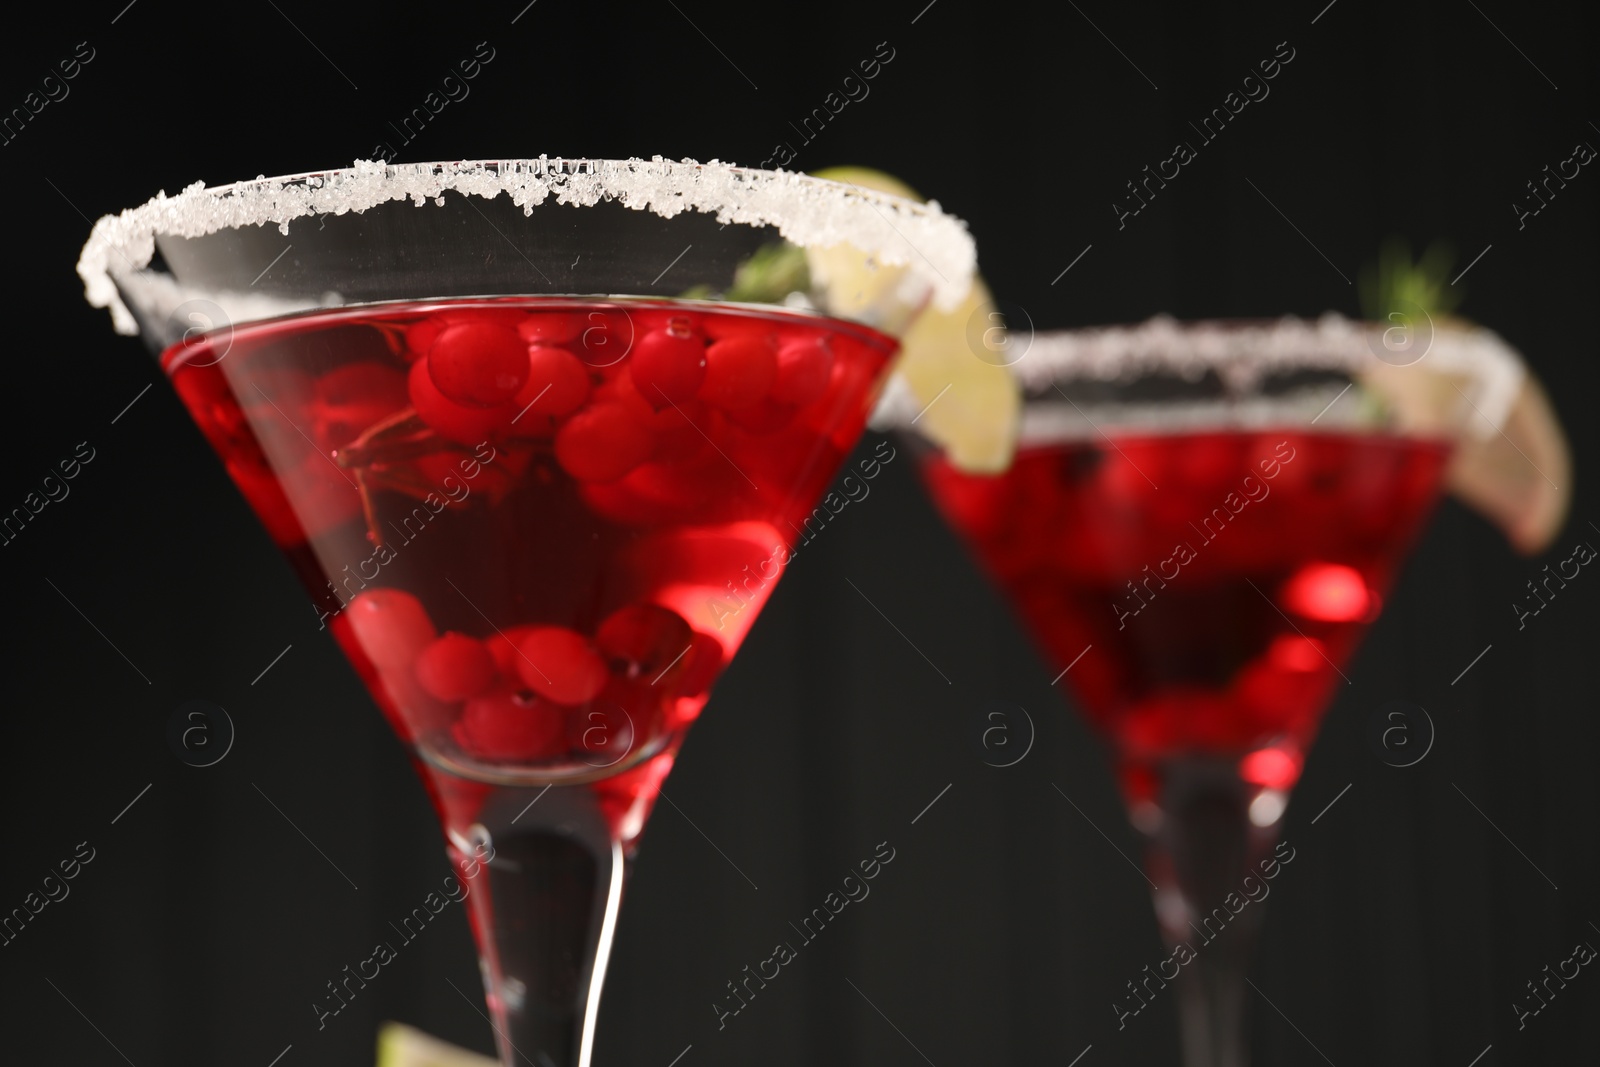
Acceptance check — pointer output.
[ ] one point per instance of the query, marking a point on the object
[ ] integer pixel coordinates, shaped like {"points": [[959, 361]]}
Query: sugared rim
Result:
{"points": [[1241, 352], [810, 212]]}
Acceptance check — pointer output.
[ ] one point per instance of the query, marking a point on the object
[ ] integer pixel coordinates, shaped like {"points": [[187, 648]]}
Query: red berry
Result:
{"points": [[644, 640], [804, 370], [677, 431], [620, 389], [455, 667], [391, 625], [603, 443], [561, 665], [352, 398], [550, 327], [503, 646], [320, 492], [420, 336], [359, 384], [1327, 592], [763, 417], [739, 371], [557, 384], [603, 733], [478, 363], [454, 422], [606, 338], [507, 725], [668, 365], [401, 697], [701, 666]]}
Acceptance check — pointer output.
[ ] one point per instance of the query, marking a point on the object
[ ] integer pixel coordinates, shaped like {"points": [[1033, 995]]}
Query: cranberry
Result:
{"points": [[478, 364], [603, 443], [352, 398], [739, 371], [1327, 592], [1270, 768], [507, 725], [1129, 474], [677, 431], [557, 384], [321, 492], [360, 384], [763, 417], [503, 647], [391, 625], [701, 666], [643, 640], [455, 667], [804, 370], [561, 665], [668, 365], [420, 336], [634, 501], [402, 697], [551, 327], [454, 422], [622, 390], [606, 338], [1208, 460], [602, 733]]}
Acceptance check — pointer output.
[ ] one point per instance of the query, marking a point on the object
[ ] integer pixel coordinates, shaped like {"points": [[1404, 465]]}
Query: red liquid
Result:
{"points": [[538, 528], [1220, 607]]}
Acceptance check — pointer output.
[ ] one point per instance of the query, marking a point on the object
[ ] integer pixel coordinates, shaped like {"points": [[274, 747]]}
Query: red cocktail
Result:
{"points": [[533, 525], [524, 520], [1199, 525], [538, 521], [1220, 609]]}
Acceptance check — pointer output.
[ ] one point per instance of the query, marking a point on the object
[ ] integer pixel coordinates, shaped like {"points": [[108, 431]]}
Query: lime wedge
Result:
{"points": [[1520, 478], [970, 407], [1511, 461], [404, 1046]]}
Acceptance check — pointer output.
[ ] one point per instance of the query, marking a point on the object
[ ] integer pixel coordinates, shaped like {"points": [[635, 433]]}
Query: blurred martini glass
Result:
{"points": [[537, 436], [1199, 525]]}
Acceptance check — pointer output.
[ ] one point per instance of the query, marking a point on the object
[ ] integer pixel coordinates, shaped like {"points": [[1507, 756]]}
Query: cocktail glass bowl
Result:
{"points": [[537, 435], [1200, 524]]}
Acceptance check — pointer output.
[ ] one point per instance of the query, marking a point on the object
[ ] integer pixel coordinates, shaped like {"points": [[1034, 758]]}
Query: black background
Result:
{"points": [[1407, 925]]}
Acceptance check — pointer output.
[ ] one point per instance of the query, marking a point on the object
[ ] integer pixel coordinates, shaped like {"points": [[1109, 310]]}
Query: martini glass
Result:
{"points": [[1200, 524], [536, 436]]}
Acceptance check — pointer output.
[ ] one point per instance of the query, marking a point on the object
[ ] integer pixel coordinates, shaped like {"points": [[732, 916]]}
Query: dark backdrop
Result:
{"points": [[206, 923]]}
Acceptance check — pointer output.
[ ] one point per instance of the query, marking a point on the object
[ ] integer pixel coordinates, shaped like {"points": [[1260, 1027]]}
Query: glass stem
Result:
{"points": [[544, 915], [1200, 848]]}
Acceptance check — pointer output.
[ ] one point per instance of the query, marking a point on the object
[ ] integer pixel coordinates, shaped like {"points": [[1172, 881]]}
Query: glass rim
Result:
{"points": [[1453, 379], [889, 229], [1245, 352], [1261, 344]]}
